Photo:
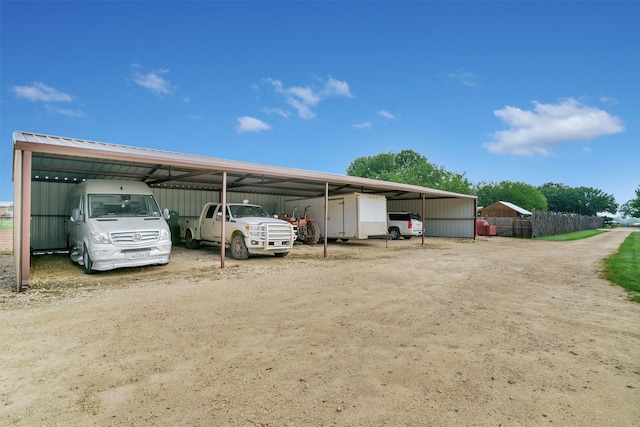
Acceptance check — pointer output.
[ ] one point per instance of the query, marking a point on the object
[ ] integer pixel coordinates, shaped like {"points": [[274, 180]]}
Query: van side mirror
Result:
{"points": [[75, 215], [165, 213]]}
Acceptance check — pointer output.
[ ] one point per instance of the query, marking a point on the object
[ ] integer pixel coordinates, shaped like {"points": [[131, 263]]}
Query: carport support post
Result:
{"points": [[326, 215], [22, 235], [423, 221], [223, 209]]}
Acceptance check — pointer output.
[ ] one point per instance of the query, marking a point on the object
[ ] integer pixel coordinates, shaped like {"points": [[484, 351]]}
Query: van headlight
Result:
{"points": [[165, 234], [99, 237]]}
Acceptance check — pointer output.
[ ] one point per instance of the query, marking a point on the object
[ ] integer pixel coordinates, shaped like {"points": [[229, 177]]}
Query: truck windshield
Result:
{"points": [[240, 211], [121, 205]]}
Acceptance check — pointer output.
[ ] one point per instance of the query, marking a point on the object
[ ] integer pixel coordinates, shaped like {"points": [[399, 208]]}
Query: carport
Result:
{"points": [[45, 167]]}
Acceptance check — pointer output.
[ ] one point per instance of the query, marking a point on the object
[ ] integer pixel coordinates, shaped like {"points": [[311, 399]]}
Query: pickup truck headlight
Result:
{"points": [[257, 232], [99, 237]]}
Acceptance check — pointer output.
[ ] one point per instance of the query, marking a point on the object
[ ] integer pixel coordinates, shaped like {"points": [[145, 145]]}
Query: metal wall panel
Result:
{"points": [[443, 217], [48, 217], [189, 203]]}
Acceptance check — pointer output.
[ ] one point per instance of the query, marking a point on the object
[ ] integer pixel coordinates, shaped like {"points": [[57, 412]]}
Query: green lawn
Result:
{"points": [[623, 267], [576, 235], [6, 223]]}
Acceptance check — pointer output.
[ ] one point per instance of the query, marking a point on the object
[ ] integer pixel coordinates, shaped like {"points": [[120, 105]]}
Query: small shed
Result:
{"points": [[504, 210], [508, 219]]}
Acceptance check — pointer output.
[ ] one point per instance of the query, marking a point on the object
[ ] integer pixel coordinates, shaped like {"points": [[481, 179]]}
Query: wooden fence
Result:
{"points": [[544, 223], [511, 226], [550, 223]]}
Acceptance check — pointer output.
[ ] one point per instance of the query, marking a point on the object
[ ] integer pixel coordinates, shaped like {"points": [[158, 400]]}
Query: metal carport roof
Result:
{"points": [[40, 157]]}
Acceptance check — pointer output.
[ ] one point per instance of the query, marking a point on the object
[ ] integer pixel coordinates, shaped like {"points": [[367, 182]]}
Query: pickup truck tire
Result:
{"points": [[238, 248], [394, 233], [87, 264], [190, 241]]}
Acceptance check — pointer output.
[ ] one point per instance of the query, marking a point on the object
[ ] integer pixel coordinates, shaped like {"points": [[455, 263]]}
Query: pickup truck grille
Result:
{"points": [[279, 232], [134, 237]]}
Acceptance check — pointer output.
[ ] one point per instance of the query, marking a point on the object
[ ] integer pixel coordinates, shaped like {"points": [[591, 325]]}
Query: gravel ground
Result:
{"points": [[490, 332]]}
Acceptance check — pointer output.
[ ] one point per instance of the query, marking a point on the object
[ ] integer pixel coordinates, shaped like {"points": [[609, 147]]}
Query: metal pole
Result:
{"points": [[326, 216], [223, 245], [475, 217], [423, 221], [24, 229]]}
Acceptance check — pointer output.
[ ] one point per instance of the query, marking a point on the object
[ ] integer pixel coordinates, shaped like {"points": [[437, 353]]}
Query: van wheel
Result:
{"points": [[238, 248], [394, 233], [190, 241], [86, 261]]}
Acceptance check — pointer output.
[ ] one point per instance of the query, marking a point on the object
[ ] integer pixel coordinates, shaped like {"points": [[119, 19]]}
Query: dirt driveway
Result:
{"points": [[490, 332]]}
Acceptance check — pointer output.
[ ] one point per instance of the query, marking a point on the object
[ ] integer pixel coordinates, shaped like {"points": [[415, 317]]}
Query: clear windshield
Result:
{"points": [[122, 205], [240, 211]]}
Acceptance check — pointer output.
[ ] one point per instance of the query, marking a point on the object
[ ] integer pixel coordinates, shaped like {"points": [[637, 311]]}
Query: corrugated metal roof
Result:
{"points": [[516, 208], [73, 160]]}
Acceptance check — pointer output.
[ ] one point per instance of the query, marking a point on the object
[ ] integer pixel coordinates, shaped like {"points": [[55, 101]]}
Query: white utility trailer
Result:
{"points": [[350, 216]]}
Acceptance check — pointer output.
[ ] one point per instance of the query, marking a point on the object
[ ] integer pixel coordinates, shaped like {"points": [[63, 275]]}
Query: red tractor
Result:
{"points": [[308, 228]]}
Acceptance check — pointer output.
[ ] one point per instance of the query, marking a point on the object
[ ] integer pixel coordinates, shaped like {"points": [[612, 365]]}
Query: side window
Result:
{"points": [[75, 202], [210, 211]]}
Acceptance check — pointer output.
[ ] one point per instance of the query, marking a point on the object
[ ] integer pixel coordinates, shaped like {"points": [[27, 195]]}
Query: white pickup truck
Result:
{"points": [[249, 230]]}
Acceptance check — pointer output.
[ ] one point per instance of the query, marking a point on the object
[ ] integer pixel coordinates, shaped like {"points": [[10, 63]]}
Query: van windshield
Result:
{"points": [[122, 205]]}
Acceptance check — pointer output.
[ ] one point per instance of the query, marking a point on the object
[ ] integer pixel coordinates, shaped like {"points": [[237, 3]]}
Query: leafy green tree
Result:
{"points": [[524, 195], [579, 200], [409, 167], [632, 207]]}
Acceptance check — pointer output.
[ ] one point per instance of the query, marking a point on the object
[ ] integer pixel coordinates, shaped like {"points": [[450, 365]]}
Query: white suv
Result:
{"points": [[405, 224]]}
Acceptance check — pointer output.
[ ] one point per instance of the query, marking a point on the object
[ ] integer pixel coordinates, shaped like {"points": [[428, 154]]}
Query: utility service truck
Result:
{"points": [[249, 230], [115, 224], [349, 216]]}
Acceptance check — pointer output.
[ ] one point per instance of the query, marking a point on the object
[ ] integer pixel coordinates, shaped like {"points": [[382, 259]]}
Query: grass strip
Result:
{"points": [[576, 235], [623, 267]]}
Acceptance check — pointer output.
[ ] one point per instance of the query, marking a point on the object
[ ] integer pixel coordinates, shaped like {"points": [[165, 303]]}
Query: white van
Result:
{"points": [[115, 224]]}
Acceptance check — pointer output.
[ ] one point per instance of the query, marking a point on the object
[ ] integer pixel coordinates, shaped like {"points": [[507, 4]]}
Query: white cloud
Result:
{"points": [[304, 98], [363, 125], [66, 112], [251, 124], [278, 111], [335, 87], [39, 91], [153, 81], [536, 131], [386, 114], [465, 78]]}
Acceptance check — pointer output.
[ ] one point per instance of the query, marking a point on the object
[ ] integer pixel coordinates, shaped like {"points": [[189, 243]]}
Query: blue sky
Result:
{"points": [[523, 91]]}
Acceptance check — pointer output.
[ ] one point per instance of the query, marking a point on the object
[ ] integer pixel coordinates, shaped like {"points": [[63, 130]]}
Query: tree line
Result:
{"points": [[409, 167]]}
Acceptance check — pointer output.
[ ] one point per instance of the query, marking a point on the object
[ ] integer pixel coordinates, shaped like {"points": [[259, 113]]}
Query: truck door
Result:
{"points": [[217, 226], [335, 219], [207, 224]]}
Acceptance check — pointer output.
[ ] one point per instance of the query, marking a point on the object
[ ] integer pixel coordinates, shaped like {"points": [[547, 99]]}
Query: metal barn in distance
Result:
{"points": [[46, 167]]}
